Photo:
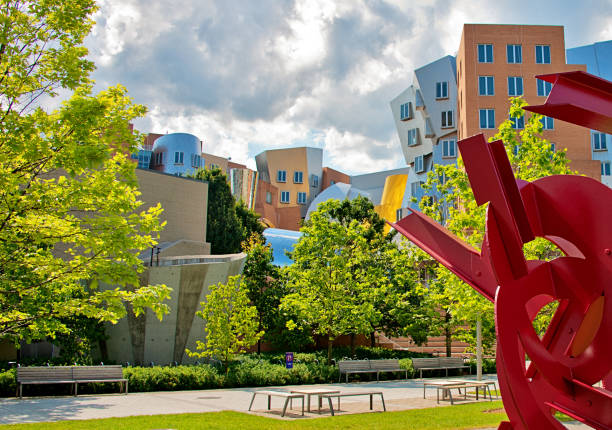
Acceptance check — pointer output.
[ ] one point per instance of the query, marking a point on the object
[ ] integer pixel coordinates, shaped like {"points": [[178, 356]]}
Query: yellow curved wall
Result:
{"points": [[392, 197]]}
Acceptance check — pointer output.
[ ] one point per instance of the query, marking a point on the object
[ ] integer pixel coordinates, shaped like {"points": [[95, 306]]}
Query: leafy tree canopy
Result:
{"points": [[68, 192]]}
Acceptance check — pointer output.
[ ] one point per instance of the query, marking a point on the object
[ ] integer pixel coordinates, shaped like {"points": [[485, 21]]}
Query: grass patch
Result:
{"points": [[472, 415]]}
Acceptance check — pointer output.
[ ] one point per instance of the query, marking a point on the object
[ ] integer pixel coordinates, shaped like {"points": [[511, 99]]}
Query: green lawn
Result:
{"points": [[468, 416]]}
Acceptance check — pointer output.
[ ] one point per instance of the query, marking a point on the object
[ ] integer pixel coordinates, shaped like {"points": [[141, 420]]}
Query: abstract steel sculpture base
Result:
{"points": [[571, 364]]}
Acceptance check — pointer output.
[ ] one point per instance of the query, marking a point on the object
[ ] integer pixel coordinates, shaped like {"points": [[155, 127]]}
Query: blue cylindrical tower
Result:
{"points": [[177, 154]]}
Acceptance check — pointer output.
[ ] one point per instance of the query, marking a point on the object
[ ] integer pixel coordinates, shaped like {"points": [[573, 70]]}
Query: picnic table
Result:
{"points": [[283, 394], [446, 386], [351, 394], [315, 392]]}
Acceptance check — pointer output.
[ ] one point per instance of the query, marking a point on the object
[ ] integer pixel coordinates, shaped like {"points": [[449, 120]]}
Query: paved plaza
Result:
{"points": [[398, 394]]}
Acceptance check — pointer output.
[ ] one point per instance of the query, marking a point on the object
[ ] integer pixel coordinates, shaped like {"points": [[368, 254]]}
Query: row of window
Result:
{"points": [[179, 158], [285, 197], [298, 177], [514, 54], [487, 120], [486, 86]]}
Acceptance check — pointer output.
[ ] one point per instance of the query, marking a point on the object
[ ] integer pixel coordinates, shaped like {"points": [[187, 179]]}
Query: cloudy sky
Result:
{"points": [[245, 76]]}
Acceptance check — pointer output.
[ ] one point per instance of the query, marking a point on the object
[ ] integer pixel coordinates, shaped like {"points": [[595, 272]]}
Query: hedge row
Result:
{"points": [[250, 371]]}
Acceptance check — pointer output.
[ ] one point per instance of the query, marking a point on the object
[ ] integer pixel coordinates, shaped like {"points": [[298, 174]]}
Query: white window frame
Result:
{"points": [[514, 80], [419, 164], [268, 197], [398, 214], [548, 123], [415, 187], [599, 141], [486, 112], [406, 111], [514, 48], [486, 58], [413, 137], [605, 168], [449, 148], [179, 157], [301, 197], [544, 88], [281, 176], [543, 49], [486, 85], [448, 119], [285, 197], [441, 90], [314, 180], [298, 177]]}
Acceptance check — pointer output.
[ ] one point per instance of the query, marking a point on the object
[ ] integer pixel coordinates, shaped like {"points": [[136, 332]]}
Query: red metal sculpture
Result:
{"points": [[573, 212]]}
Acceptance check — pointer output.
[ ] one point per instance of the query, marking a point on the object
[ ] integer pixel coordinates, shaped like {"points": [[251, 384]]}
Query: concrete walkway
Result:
{"points": [[398, 394]]}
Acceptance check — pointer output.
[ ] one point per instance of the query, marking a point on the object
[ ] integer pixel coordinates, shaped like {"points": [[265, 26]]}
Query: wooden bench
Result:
{"points": [[84, 374], [369, 366], [73, 375], [43, 375], [285, 395], [363, 393], [439, 363]]}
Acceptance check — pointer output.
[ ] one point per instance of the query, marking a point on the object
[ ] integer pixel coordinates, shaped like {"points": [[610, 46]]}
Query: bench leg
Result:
{"points": [[285, 407], [331, 406], [450, 396], [21, 391], [252, 400], [371, 395], [303, 405], [269, 401], [76, 388]]}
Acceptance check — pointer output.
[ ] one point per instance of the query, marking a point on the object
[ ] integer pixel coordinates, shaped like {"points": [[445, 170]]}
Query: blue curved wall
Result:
{"points": [[180, 154]]}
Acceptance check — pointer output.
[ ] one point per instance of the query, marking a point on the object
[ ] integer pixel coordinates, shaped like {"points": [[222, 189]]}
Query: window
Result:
{"points": [[178, 157], [599, 142], [298, 177], [314, 181], [515, 86], [418, 164], [514, 54], [281, 176], [442, 90], [406, 111], [268, 197], [605, 168], [398, 214], [486, 86], [449, 148], [413, 137], [547, 123], [553, 147], [301, 198], [542, 54], [284, 197], [415, 188], [515, 150], [447, 119], [485, 53], [195, 160], [213, 166], [544, 88], [487, 118], [332, 182], [518, 123]]}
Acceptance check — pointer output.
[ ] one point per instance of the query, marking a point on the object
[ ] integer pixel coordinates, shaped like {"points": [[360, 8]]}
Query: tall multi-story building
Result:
{"points": [[598, 60], [425, 117], [289, 179], [496, 62]]}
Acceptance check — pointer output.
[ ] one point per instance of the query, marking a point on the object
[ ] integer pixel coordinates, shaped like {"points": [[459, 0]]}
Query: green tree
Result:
{"points": [[231, 322], [223, 228], [249, 220], [332, 285], [68, 192], [450, 201], [260, 278]]}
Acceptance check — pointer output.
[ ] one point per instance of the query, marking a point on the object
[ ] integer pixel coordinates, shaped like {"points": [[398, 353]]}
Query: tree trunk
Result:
{"points": [[352, 345], [447, 334], [258, 346], [479, 348], [330, 342], [372, 340]]}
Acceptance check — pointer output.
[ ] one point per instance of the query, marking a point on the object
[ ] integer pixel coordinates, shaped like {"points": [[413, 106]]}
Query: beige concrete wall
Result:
{"points": [[210, 160], [146, 339], [575, 139], [184, 201]]}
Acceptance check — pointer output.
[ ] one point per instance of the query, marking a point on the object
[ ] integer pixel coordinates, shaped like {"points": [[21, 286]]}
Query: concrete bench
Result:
{"points": [[283, 394], [369, 366], [439, 363], [447, 386], [362, 393], [69, 375]]}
